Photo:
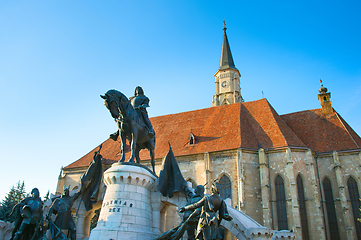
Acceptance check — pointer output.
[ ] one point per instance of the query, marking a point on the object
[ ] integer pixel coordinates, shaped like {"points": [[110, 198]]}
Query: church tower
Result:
{"points": [[228, 88], [325, 100]]}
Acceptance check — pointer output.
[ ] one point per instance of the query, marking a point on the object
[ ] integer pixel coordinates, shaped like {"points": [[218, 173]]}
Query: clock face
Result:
{"points": [[224, 84]]}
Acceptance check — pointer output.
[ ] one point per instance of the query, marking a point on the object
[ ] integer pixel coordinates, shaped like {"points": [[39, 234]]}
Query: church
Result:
{"points": [[298, 171]]}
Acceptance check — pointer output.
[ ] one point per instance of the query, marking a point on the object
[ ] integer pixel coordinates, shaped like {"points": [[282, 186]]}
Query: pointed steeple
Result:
{"points": [[228, 86], [226, 55]]}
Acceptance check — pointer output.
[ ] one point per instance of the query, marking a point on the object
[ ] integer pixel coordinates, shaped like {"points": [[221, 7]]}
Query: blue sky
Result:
{"points": [[57, 57]]}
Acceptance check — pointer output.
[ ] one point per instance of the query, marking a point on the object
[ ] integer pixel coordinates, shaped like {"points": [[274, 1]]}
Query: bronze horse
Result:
{"points": [[130, 124]]}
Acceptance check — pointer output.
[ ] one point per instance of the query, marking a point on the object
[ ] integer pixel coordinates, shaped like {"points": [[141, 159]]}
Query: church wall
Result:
{"points": [[252, 204], [303, 165], [326, 169], [246, 185], [298, 167], [193, 167], [284, 163], [70, 178], [349, 165], [277, 165], [313, 198], [223, 163], [172, 218], [289, 164]]}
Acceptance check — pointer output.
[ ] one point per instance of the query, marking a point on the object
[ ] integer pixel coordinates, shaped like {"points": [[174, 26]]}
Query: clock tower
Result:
{"points": [[228, 89]]}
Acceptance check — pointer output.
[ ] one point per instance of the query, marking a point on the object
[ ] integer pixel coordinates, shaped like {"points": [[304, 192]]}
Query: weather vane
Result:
{"points": [[224, 23]]}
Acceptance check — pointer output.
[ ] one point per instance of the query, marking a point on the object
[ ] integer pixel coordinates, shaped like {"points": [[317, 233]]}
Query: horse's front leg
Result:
{"points": [[133, 144], [137, 150], [122, 147], [152, 162]]}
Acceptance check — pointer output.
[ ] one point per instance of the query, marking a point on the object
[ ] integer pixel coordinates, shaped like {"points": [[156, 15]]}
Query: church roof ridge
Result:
{"points": [[309, 110], [353, 135]]}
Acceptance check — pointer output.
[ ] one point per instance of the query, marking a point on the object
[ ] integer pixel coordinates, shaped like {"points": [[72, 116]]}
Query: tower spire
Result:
{"points": [[228, 89], [226, 55]]}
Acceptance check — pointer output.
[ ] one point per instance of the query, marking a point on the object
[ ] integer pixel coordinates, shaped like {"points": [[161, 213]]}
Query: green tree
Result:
{"points": [[15, 195], [94, 220]]}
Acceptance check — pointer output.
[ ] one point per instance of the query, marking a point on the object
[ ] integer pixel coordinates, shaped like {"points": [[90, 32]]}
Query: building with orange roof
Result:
{"points": [[298, 171]]}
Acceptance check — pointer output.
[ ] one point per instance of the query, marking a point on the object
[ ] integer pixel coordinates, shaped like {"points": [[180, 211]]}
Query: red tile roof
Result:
{"points": [[249, 125], [323, 133], [269, 128]]}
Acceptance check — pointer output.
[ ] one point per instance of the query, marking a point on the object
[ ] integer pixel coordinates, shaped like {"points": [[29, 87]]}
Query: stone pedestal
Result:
{"points": [[126, 212]]}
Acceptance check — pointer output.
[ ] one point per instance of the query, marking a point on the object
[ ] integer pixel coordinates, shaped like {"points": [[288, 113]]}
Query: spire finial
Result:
{"points": [[224, 23], [322, 89]]}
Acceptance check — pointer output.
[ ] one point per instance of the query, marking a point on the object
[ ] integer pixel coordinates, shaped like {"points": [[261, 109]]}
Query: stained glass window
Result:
{"points": [[302, 208], [281, 204], [330, 208], [355, 203], [225, 190]]}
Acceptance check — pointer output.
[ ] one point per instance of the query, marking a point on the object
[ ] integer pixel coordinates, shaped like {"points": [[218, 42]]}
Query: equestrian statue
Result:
{"points": [[133, 123]]}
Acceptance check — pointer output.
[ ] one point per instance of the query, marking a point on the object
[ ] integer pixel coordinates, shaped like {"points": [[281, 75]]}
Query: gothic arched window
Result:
{"points": [[302, 208], [330, 208], [355, 203], [225, 190], [281, 204]]}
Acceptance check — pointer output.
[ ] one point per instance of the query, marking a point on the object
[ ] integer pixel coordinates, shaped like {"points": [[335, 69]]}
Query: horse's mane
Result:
{"points": [[116, 94]]}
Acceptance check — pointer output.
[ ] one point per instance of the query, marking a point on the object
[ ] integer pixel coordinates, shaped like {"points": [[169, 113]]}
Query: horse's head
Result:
{"points": [[112, 99]]}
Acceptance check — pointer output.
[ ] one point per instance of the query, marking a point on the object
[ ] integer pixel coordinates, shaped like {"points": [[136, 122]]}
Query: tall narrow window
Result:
{"points": [[302, 208], [281, 204], [330, 208], [225, 190], [355, 203]]}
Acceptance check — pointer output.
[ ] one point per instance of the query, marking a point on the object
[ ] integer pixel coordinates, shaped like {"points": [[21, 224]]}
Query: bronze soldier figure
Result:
{"points": [[214, 209], [192, 222], [28, 221], [140, 102], [62, 208], [190, 218]]}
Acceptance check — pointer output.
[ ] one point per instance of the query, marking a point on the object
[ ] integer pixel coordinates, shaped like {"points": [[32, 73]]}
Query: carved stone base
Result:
{"points": [[126, 212]]}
